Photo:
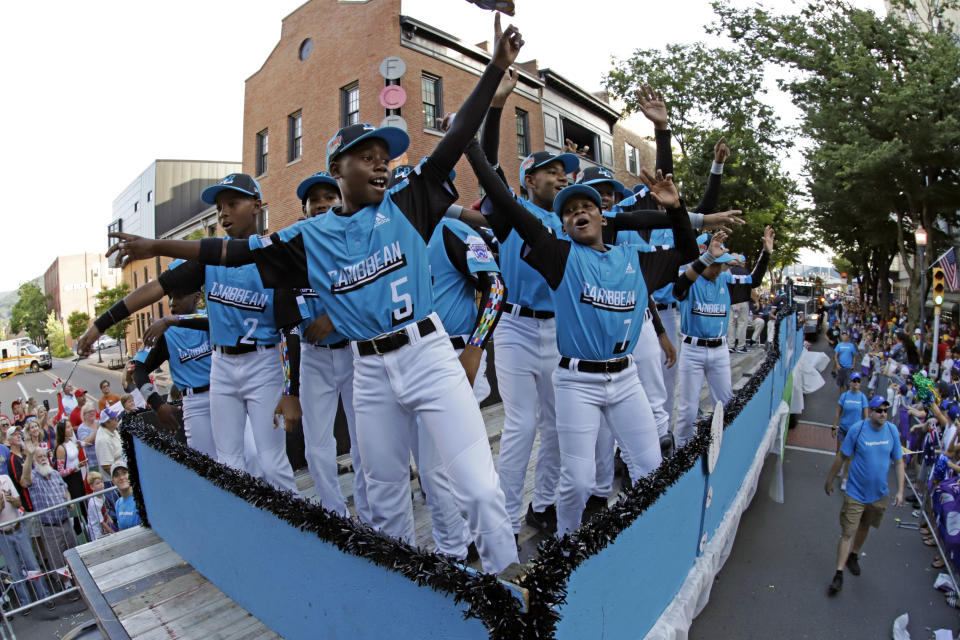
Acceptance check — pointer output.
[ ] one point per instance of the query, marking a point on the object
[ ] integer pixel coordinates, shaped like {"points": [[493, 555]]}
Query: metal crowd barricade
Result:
{"points": [[47, 574]]}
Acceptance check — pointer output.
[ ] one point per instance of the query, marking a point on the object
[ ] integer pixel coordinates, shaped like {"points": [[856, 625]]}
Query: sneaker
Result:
{"points": [[595, 504], [667, 445], [853, 563], [836, 585], [545, 520], [742, 350]]}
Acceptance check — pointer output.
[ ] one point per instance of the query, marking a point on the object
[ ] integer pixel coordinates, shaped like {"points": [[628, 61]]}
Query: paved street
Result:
{"points": [[774, 585], [40, 385]]}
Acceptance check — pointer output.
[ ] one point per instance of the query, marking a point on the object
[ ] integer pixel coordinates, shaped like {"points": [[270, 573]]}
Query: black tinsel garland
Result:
{"points": [[486, 599], [558, 558]]}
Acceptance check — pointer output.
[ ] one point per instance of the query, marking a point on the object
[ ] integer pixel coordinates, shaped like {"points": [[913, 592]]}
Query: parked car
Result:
{"points": [[104, 342]]}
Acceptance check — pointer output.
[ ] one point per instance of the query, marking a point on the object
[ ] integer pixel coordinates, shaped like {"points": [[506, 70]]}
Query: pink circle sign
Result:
{"points": [[393, 96]]}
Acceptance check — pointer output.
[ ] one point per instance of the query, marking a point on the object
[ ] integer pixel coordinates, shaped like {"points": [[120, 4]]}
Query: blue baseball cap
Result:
{"points": [[878, 401], [599, 175], [399, 173], [395, 138], [953, 411], [854, 376], [241, 182], [320, 177], [176, 263], [641, 189], [575, 190], [536, 160]]}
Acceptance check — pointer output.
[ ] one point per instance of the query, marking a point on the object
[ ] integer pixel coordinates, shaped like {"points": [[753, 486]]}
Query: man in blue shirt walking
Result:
{"points": [[871, 446], [844, 355]]}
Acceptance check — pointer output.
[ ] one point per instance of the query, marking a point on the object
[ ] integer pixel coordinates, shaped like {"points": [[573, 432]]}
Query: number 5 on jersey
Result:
{"points": [[405, 311]]}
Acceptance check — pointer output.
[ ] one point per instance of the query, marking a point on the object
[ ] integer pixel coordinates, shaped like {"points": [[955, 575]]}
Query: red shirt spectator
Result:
{"points": [[76, 416]]}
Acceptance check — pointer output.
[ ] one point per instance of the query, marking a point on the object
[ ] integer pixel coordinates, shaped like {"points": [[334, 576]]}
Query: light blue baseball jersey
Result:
{"points": [[370, 269], [659, 239], [525, 286], [312, 309], [600, 303], [240, 307], [188, 352], [706, 309], [453, 294]]}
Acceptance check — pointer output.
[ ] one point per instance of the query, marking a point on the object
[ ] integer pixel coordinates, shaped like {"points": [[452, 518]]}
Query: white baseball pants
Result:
{"points": [[647, 358], [326, 375], [196, 422], [582, 398], [737, 328], [758, 323], [249, 385], [526, 356], [451, 535], [695, 363], [425, 379], [671, 324]]}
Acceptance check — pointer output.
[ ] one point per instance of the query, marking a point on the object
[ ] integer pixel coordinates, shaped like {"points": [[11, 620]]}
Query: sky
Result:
{"points": [[92, 98]]}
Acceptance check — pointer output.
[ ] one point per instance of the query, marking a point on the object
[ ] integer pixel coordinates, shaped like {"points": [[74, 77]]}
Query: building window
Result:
{"points": [[295, 141], [114, 227], [146, 276], [263, 143], [585, 140], [431, 91], [551, 130], [523, 133], [159, 309], [263, 222], [136, 206], [135, 285], [350, 104], [149, 196], [633, 159], [306, 47], [606, 154]]}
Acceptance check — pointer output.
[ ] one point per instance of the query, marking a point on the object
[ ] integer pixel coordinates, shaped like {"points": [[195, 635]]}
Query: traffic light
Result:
{"points": [[939, 285]]}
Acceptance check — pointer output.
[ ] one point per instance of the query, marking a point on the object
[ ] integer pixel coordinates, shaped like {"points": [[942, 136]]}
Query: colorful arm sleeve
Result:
{"points": [[491, 306], [290, 352]]}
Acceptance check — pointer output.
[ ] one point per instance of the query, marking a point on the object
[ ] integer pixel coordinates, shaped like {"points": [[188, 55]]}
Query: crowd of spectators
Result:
{"points": [[909, 383], [48, 468]]}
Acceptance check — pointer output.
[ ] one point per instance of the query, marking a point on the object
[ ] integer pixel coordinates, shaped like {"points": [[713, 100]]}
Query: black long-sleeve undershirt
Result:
{"points": [[739, 290], [548, 254]]}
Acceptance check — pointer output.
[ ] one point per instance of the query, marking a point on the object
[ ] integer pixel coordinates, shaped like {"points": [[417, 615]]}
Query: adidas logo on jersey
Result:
{"points": [[630, 268], [380, 219]]}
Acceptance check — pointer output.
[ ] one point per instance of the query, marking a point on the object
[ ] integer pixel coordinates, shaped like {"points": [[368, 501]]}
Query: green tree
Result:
{"points": [[106, 299], [30, 313], [78, 322], [56, 340], [714, 92], [881, 103]]}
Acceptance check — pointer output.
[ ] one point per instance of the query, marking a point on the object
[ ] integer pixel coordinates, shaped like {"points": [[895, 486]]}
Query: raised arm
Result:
{"points": [[471, 113], [653, 106], [709, 200], [741, 286], [548, 254], [682, 286]]}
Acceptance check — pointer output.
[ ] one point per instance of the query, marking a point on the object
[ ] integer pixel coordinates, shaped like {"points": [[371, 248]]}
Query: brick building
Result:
{"points": [[310, 85], [74, 281]]}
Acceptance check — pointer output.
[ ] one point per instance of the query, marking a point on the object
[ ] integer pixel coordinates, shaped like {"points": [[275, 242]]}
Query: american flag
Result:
{"points": [[948, 261]]}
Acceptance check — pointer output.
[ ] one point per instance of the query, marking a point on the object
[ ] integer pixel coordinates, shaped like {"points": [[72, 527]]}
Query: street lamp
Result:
{"points": [[920, 235]]}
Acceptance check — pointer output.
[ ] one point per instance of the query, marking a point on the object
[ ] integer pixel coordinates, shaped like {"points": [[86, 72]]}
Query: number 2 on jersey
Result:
{"points": [[251, 325], [404, 312]]}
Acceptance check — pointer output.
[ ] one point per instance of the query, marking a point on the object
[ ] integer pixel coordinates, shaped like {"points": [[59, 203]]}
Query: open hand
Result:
{"points": [[652, 105], [661, 188], [721, 151], [716, 247], [768, 237], [130, 248], [669, 351], [720, 220], [507, 46]]}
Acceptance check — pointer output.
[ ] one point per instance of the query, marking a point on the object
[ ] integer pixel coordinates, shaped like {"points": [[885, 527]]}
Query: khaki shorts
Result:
{"points": [[853, 512]]}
